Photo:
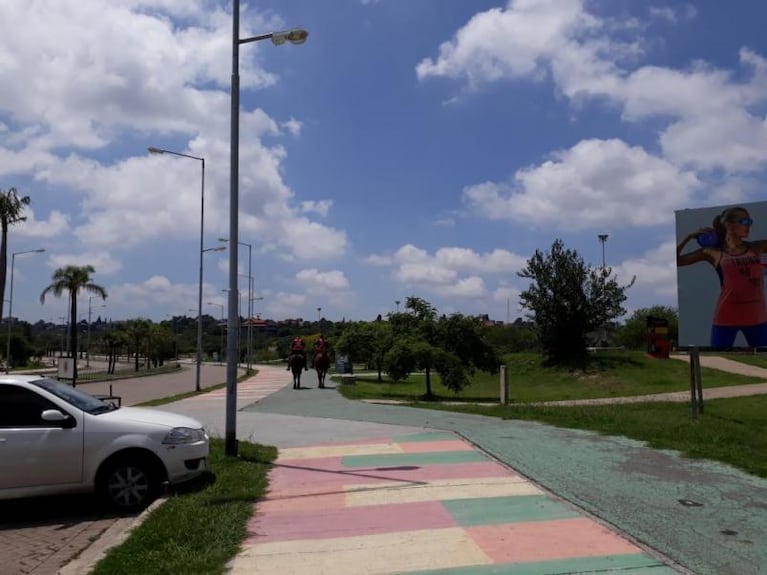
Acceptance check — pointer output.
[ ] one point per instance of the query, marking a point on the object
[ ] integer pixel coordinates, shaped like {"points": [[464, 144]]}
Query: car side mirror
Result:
{"points": [[56, 416]]}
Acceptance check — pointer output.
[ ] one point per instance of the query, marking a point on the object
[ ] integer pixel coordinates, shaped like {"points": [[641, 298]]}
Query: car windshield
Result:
{"points": [[74, 396]]}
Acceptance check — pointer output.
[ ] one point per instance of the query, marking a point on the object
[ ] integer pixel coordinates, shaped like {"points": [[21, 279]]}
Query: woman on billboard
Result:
{"points": [[741, 306]]}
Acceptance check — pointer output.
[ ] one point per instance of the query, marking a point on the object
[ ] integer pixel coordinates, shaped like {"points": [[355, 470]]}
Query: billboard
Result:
{"points": [[721, 264]]}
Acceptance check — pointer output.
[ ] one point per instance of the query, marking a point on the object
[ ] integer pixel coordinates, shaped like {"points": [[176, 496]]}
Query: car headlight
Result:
{"points": [[181, 435]]}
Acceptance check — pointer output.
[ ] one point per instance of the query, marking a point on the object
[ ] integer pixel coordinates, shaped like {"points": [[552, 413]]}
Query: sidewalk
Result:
{"points": [[417, 503], [362, 488]]}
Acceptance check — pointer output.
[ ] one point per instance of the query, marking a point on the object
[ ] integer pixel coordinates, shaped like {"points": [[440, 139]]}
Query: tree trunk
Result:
{"points": [[428, 382], [3, 265], [73, 335]]}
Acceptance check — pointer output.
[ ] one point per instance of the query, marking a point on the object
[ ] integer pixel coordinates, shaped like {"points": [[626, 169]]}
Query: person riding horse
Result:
{"points": [[297, 347], [320, 346]]}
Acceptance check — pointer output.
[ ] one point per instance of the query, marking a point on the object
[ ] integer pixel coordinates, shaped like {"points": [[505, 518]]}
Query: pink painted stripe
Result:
{"points": [[348, 522], [549, 540], [307, 502], [435, 446], [285, 482]]}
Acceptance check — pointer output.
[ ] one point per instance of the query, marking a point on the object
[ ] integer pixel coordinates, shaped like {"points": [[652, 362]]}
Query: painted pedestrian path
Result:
{"points": [[425, 503]]}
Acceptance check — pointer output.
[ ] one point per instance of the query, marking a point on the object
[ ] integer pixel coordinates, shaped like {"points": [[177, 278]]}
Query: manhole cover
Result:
{"points": [[690, 503]]}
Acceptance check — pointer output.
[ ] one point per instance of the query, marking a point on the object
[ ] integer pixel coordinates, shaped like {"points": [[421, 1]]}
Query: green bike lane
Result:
{"points": [[704, 516]]}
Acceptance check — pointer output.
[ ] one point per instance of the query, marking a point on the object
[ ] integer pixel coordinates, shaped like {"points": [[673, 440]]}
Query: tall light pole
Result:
{"points": [[10, 305], [88, 350], [250, 293], [221, 330], [153, 150], [295, 36], [396, 302], [603, 239], [319, 311]]}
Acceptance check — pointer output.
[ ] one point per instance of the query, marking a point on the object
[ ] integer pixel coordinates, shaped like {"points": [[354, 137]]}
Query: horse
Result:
{"points": [[296, 364], [321, 365]]}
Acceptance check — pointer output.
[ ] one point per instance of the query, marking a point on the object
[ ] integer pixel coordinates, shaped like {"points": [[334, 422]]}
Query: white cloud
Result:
{"points": [[673, 15], [449, 271], [581, 188], [707, 115], [508, 43], [293, 126], [56, 224], [102, 262], [321, 207], [330, 281]]}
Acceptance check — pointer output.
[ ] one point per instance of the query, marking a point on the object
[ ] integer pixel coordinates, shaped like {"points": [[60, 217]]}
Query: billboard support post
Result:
{"points": [[696, 391]]}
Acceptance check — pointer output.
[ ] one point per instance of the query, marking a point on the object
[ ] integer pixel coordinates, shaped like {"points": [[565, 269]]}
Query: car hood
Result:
{"points": [[152, 416]]}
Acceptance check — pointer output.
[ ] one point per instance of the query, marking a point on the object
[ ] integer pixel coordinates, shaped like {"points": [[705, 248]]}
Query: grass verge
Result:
{"points": [[615, 374], [200, 529], [730, 430]]}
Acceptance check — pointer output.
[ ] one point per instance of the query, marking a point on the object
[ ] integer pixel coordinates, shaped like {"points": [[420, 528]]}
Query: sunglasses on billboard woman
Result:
{"points": [[744, 221]]}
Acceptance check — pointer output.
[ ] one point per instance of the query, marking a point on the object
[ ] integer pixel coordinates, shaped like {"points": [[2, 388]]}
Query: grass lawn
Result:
{"points": [[729, 430], [614, 374], [200, 529], [759, 360]]}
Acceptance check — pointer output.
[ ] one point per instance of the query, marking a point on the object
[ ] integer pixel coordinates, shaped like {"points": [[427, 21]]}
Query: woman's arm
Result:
{"points": [[699, 255]]}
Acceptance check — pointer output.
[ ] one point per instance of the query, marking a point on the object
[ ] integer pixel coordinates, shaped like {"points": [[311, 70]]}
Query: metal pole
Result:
{"points": [[250, 305], [199, 287], [88, 350], [10, 319], [230, 435]]}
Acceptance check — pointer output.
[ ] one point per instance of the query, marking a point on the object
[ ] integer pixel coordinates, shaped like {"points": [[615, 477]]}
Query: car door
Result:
{"points": [[34, 452]]}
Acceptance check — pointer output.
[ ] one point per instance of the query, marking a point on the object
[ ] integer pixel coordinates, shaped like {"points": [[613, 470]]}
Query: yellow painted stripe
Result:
{"points": [[338, 451], [441, 490], [371, 554]]}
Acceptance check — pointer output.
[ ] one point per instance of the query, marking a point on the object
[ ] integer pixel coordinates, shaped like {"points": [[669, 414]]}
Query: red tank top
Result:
{"points": [[741, 300]]}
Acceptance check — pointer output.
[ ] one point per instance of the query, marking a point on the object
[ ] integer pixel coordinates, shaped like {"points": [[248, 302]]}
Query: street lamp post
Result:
{"points": [[250, 295], [295, 36], [319, 311], [603, 239], [396, 302], [221, 331], [88, 350], [10, 306], [153, 150]]}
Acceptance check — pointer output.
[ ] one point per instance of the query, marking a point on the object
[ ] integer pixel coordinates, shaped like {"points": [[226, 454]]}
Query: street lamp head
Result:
{"points": [[39, 251], [153, 150], [294, 36], [602, 237]]}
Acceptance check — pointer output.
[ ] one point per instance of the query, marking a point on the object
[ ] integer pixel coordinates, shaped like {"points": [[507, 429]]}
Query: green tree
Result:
{"points": [[137, 334], [633, 333], [367, 342], [454, 346], [11, 210], [73, 279], [567, 299]]}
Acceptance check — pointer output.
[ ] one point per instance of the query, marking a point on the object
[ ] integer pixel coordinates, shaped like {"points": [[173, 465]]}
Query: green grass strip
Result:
{"points": [[200, 529]]}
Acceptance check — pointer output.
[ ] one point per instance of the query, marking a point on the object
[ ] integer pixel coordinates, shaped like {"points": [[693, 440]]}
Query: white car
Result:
{"points": [[56, 439]]}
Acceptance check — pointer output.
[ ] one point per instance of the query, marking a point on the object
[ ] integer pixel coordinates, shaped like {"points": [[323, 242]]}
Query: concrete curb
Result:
{"points": [[112, 536]]}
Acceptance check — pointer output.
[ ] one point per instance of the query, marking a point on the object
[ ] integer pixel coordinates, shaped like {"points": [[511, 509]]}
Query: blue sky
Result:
{"points": [[407, 148]]}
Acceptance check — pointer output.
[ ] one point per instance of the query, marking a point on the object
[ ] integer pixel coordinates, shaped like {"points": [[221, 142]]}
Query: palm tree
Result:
{"points": [[11, 208], [73, 279]]}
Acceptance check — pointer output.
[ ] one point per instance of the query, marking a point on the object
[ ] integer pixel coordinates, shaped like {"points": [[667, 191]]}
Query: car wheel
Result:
{"points": [[129, 484]]}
